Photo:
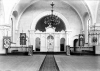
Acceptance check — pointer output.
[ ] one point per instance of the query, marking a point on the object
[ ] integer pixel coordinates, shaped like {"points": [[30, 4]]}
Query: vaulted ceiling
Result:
{"points": [[64, 7], [79, 5]]}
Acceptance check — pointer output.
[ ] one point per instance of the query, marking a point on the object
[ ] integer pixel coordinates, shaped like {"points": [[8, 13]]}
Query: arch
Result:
{"points": [[23, 12], [42, 26], [50, 37], [84, 3], [62, 44], [35, 2], [75, 44], [37, 44], [50, 43], [49, 12], [33, 25]]}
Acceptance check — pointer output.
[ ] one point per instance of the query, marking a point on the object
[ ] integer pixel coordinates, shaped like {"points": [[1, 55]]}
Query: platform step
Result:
{"points": [[55, 53]]}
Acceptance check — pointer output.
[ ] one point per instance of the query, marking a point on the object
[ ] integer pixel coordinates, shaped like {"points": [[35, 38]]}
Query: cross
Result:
{"points": [[52, 7]]}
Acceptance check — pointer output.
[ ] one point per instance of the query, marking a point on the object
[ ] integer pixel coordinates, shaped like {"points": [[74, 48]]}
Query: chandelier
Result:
{"points": [[52, 19]]}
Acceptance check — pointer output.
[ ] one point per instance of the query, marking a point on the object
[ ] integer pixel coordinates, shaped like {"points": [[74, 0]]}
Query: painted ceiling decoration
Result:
{"points": [[41, 25]]}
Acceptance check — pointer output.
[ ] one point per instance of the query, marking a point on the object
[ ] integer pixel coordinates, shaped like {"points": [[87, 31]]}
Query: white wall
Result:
{"points": [[8, 7], [2, 50], [93, 6], [3, 32]]}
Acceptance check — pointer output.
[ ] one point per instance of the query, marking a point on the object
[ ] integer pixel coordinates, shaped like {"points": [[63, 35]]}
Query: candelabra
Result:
{"points": [[52, 19]]}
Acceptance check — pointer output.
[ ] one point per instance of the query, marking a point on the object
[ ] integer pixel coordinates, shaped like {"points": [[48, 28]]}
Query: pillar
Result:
{"points": [[86, 31], [67, 44], [86, 26]]}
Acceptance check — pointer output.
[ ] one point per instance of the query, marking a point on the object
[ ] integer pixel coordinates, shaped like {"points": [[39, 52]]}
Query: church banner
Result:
{"points": [[81, 39], [94, 39], [22, 38], [6, 41]]}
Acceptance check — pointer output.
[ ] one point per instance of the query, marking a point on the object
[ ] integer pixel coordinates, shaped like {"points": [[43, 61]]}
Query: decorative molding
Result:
{"points": [[50, 29]]}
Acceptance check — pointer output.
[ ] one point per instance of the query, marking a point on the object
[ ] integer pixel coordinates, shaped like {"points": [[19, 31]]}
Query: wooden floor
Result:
{"points": [[21, 63], [78, 63], [65, 63]]}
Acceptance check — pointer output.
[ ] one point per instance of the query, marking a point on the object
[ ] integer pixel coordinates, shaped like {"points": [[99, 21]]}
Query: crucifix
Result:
{"points": [[52, 7]]}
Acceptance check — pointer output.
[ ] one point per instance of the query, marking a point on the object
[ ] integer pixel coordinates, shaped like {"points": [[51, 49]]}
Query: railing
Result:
{"points": [[28, 49], [82, 50]]}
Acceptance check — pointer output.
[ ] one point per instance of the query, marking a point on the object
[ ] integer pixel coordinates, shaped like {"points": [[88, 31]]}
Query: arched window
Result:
{"points": [[62, 44], [37, 45]]}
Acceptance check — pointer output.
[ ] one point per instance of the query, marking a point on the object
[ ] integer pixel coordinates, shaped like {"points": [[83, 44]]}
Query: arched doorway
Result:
{"points": [[75, 44], [37, 44], [62, 44], [50, 43]]}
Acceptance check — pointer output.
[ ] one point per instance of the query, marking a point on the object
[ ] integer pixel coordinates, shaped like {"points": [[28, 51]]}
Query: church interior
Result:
{"points": [[49, 35]]}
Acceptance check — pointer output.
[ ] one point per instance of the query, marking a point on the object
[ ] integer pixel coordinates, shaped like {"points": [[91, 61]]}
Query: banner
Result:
{"points": [[22, 38], [6, 41], [81, 39]]}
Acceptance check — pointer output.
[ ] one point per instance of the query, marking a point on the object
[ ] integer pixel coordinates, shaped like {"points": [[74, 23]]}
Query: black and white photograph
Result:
{"points": [[49, 35]]}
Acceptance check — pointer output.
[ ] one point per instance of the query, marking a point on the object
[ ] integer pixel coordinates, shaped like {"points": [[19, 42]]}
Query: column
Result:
{"points": [[67, 42], [87, 22], [31, 38]]}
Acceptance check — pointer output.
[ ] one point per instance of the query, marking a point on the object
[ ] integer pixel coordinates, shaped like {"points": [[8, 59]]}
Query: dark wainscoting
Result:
{"points": [[82, 50]]}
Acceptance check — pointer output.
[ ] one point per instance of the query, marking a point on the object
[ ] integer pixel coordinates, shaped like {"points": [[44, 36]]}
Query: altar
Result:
{"points": [[48, 41]]}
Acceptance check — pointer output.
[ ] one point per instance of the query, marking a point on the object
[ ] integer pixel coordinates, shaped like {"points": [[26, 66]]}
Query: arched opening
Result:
{"points": [[50, 43], [62, 44], [37, 45], [41, 25], [50, 31], [75, 44]]}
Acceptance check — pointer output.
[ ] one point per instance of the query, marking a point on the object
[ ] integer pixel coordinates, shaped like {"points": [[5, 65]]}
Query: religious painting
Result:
{"points": [[6, 41]]}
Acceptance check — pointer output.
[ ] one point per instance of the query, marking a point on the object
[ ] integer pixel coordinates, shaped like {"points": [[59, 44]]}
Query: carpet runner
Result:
{"points": [[49, 64]]}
